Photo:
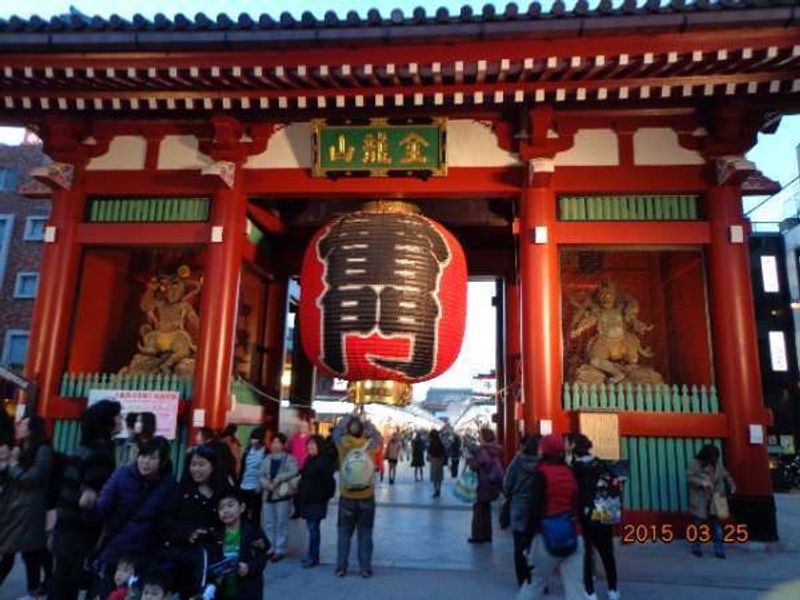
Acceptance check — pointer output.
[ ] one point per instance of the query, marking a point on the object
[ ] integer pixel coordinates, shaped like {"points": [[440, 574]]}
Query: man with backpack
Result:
{"points": [[558, 545], [357, 442]]}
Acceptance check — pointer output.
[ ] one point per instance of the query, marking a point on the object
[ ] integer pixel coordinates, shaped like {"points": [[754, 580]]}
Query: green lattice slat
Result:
{"points": [[658, 400], [643, 474], [637, 491], [672, 476], [612, 397], [703, 393], [663, 479], [653, 474], [624, 454], [713, 400], [568, 398], [603, 396]]}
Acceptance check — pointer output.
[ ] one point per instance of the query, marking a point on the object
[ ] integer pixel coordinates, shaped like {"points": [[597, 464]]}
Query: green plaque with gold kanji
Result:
{"points": [[380, 148]]}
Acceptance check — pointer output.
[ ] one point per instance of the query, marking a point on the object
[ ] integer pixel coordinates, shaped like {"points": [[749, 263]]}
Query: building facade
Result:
{"points": [[593, 160], [21, 239]]}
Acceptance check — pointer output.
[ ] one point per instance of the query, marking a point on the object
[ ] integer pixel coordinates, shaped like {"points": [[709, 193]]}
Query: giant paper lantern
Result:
{"points": [[383, 300]]}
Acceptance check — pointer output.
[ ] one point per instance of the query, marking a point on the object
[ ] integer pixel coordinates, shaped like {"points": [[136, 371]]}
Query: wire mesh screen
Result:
{"points": [[635, 318]]}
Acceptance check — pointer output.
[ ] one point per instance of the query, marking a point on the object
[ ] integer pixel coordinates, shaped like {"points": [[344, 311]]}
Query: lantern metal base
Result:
{"points": [[379, 391]]}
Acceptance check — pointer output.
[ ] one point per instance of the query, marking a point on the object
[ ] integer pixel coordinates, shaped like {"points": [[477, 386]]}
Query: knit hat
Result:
{"points": [[552, 445]]}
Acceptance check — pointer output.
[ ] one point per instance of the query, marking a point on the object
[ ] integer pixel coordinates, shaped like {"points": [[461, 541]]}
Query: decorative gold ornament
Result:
{"points": [[379, 391], [390, 206]]}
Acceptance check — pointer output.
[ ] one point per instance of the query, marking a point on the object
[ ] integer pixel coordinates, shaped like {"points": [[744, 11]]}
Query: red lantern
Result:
{"points": [[383, 296]]}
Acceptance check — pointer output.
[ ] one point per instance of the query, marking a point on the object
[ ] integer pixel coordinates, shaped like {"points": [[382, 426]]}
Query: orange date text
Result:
{"points": [[666, 533]]}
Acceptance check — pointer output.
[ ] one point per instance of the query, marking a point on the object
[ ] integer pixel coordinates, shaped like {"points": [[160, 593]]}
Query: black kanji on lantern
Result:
{"points": [[382, 275]]}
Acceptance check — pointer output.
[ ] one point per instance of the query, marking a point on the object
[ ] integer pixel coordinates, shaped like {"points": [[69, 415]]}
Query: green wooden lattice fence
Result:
{"points": [[641, 398], [77, 385], [658, 471], [629, 208], [148, 210]]}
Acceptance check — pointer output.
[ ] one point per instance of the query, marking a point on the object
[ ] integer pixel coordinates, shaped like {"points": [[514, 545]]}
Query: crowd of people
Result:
{"points": [[112, 520]]}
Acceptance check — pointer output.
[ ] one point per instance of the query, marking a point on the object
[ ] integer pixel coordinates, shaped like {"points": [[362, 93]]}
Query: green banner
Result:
{"points": [[379, 149]]}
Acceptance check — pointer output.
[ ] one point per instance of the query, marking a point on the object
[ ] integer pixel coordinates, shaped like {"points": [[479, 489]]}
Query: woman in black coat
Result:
{"points": [[86, 472], [190, 517], [418, 456], [23, 505], [316, 488]]}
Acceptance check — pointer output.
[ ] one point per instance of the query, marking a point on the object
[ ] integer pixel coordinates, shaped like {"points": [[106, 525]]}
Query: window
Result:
{"points": [[15, 347], [26, 285], [6, 225], [34, 229], [777, 351], [8, 179], [769, 274]]}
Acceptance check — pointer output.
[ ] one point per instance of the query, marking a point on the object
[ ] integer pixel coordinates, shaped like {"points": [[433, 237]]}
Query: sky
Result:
{"points": [[775, 155]]}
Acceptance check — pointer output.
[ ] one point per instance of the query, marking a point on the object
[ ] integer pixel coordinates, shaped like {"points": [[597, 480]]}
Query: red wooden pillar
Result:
{"points": [[513, 357], [500, 399], [58, 273], [736, 359], [212, 377], [541, 308], [275, 339], [55, 300]]}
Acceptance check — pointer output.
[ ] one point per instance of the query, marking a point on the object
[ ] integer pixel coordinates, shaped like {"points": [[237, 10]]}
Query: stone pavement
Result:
{"points": [[421, 553]]}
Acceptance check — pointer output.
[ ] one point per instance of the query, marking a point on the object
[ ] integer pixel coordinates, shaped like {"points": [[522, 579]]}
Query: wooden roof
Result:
{"points": [[649, 56]]}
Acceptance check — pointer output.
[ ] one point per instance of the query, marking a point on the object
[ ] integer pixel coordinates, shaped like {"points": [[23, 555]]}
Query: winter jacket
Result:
{"points": [[393, 448], [455, 448], [235, 451], [185, 511], [700, 496], [250, 470], [587, 470], [298, 447], [518, 486], [23, 504], [554, 491], [88, 469], [418, 452], [317, 485], [481, 463], [130, 507], [371, 441], [252, 551], [287, 472]]}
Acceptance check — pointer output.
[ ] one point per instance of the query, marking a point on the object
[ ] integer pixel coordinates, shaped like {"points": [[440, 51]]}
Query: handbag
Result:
{"points": [[559, 534], [466, 488], [288, 488], [719, 505]]}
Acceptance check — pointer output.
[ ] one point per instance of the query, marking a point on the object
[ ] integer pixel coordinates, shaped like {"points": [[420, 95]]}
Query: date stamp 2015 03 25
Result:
{"points": [[667, 533]]}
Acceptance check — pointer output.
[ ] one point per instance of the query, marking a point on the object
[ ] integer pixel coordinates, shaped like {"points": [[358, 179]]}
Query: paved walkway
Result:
{"points": [[421, 553]]}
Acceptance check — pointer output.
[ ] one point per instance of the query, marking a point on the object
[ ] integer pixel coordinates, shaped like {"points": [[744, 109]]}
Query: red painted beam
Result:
{"points": [[597, 180], [464, 182], [143, 234], [639, 233], [160, 183], [673, 424], [268, 221]]}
